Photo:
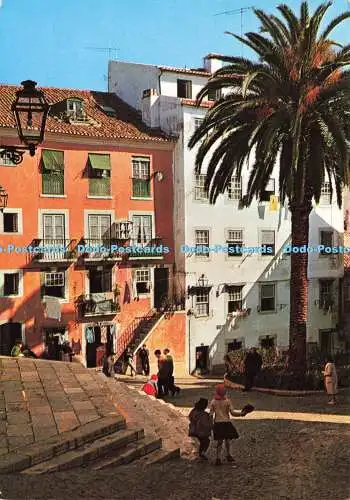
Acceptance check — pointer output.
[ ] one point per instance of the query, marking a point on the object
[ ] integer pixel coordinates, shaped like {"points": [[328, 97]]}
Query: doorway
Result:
{"points": [[327, 341], [161, 286], [202, 359], [54, 338], [10, 333], [99, 343]]}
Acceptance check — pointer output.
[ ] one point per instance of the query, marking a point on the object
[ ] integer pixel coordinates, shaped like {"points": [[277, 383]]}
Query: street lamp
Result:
{"points": [[3, 198], [30, 111]]}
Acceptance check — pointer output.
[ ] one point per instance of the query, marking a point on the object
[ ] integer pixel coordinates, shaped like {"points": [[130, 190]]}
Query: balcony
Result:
{"points": [[54, 250], [100, 186], [116, 249], [98, 304], [53, 184]]}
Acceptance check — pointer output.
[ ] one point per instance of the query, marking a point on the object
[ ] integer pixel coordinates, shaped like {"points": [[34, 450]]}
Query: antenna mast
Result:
{"points": [[236, 12]]}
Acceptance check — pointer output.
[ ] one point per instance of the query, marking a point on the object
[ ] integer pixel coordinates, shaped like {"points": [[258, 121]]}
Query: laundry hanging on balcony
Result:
{"points": [[52, 308], [127, 294], [90, 334], [103, 334]]}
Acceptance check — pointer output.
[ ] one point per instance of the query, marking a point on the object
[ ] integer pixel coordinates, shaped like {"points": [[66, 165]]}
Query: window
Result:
{"points": [[326, 239], [11, 284], [214, 95], [142, 229], [141, 179], [142, 280], [52, 172], [197, 123], [99, 227], [235, 242], [326, 295], [202, 242], [53, 285], [268, 239], [268, 297], [10, 222], [234, 189], [200, 193], [325, 198], [100, 281], [235, 298], [202, 303], [75, 109], [184, 89], [267, 342], [234, 345], [99, 170], [53, 228], [269, 190]]}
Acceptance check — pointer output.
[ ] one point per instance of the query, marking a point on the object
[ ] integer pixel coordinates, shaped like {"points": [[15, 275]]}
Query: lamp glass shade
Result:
{"points": [[30, 110]]}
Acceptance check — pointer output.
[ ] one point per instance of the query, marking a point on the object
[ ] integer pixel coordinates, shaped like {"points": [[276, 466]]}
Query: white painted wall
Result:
{"points": [[189, 214]]}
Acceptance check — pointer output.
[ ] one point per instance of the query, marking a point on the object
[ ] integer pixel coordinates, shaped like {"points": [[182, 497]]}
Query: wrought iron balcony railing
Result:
{"points": [[112, 248], [54, 250], [98, 304]]}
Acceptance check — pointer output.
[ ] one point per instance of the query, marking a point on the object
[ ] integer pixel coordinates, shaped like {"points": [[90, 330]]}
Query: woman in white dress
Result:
{"points": [[330, 380]]}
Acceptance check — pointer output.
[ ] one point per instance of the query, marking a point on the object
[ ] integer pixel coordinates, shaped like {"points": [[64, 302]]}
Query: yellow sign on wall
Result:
{"points": [[274, 204]]}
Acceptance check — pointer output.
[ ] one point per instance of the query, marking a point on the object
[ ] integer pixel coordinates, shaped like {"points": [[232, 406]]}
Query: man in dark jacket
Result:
{"points": [[252, 366], [144, 357], [171, 381], [164, 370]]}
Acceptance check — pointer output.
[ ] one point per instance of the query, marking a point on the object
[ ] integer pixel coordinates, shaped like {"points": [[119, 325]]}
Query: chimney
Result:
{"points": [[211, 64], [150, 111]]}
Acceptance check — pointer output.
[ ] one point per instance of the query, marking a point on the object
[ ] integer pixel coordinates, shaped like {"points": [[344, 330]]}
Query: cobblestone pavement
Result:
{"points": [[40, 399], [292, 449]]}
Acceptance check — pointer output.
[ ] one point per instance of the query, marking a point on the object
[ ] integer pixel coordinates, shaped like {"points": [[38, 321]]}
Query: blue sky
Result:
{"points": [[48, 40]]}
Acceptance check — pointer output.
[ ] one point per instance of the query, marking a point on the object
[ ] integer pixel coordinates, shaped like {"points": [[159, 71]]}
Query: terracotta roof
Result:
{"points": [[198, 71], [193, 102], [126, 123]]}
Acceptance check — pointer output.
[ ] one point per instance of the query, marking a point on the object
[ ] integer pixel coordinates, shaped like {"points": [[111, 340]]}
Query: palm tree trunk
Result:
{"points": [[299, 291]]}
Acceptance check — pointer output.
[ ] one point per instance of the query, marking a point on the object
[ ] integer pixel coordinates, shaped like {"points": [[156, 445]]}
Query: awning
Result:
{"points": [[100, 162], [53, 160]]}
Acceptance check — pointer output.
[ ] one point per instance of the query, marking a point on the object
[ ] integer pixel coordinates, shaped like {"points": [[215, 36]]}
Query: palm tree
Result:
{"points": [[291, 107]]}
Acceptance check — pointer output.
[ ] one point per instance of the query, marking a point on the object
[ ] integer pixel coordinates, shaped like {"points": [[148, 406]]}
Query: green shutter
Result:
{"points": [[100, 162], [53, 160]]}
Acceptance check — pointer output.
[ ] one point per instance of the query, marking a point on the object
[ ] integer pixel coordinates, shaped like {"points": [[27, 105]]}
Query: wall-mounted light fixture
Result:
{"points": [[3, 198], [158, 175]]}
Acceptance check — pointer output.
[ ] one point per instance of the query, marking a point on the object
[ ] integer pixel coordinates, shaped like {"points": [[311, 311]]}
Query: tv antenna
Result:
{"points": [[110, 51], [236, 12]]}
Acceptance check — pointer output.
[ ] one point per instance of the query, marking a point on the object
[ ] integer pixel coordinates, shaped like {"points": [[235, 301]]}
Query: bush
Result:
{"points": [[275, 374]]}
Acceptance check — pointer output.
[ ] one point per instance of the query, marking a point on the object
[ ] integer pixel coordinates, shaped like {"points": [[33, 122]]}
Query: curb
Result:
{"points": [[23, 458], [274, 392]]}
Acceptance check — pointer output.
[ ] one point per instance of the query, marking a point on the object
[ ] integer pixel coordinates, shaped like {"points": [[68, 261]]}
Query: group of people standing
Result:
{"points": [[163, 383]]}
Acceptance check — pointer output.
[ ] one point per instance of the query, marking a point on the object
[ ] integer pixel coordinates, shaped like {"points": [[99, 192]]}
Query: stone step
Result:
{"points": [[133, 451], [23, 458], [157, 457], [88, 452]]}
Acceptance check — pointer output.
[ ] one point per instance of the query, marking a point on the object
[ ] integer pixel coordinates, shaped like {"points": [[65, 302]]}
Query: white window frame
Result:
{"points": [[64, 300], [261, 285], [20, 282], [325, 198], [330, 284], [98, 212], [268, 244], [204, 292], [200, 194], [241, 299], [238, 241], [329, 231], [19, 213], [140, 159], [197, 122], [136, 280], [205, 256], [144, 212], [234, 189], [46, 211]]}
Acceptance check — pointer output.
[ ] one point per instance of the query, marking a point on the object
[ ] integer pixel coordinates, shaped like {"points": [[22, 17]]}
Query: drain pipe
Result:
{"points": [[189, 315]]}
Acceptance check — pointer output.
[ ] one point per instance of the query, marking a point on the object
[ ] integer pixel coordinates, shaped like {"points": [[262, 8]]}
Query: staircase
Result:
{"points": [[137, 331]]}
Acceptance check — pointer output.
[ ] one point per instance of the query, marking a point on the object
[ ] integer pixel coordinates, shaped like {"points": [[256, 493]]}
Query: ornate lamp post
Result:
{"points": [[30, 111]]}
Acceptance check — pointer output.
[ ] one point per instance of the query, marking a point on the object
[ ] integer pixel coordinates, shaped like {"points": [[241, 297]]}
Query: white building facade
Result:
{"points": [[236, 299]]}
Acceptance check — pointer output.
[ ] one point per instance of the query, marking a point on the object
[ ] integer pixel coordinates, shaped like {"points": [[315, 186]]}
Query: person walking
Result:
{"points": [[221, 408], [200, 427], [331, 380], [144, 357], [171, 380], [163, 374], [252, 366], [129, 361]]}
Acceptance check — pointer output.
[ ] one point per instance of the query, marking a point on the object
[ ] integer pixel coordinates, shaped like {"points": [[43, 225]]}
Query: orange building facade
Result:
{"points": [[86, 240]]}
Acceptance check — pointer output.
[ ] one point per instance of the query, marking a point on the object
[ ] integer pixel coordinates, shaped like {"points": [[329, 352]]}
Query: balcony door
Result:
{"points": [[54, 235], [142, 229], [99, 229]]}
